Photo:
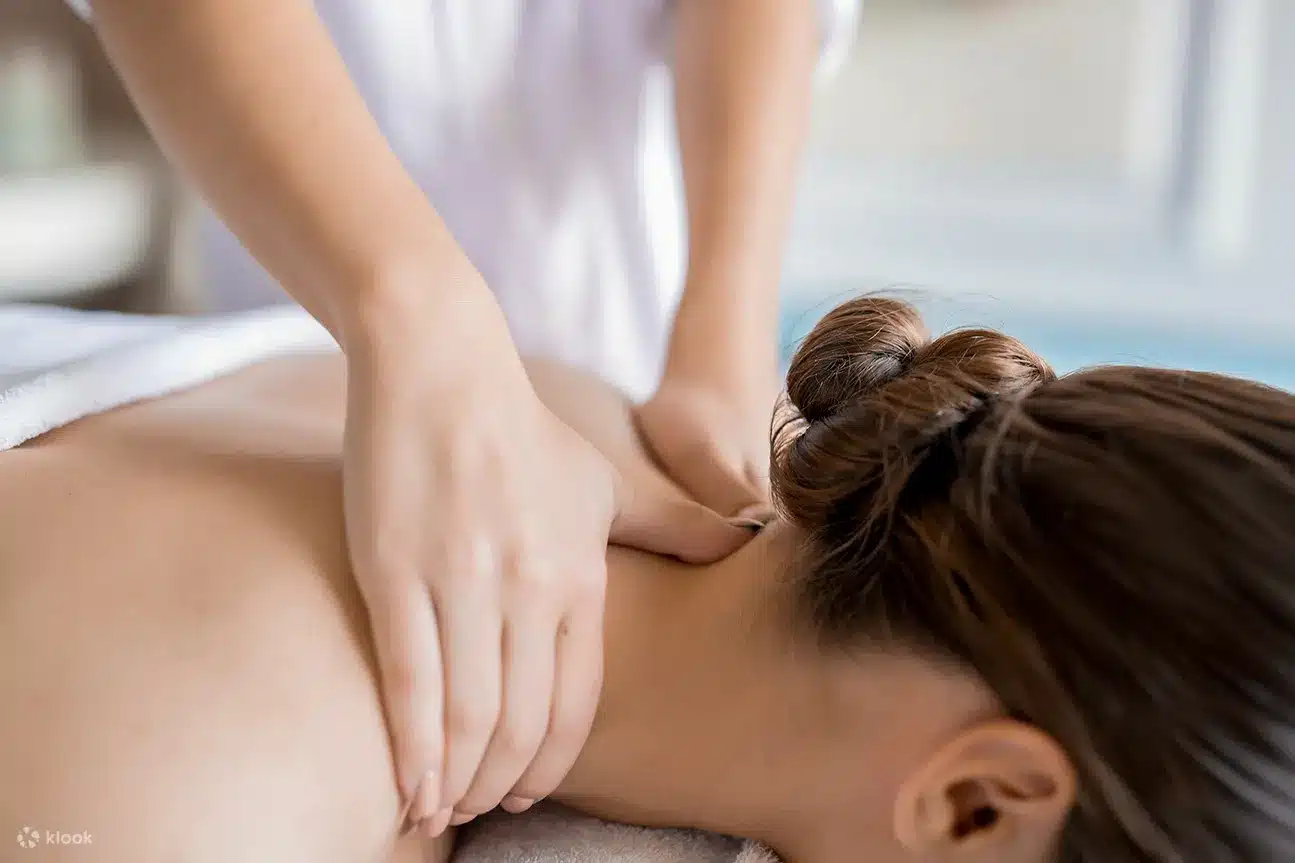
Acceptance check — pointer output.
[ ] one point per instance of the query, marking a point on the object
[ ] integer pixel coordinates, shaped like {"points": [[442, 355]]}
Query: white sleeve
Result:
{"points": [[81, 8], [839, 24]]}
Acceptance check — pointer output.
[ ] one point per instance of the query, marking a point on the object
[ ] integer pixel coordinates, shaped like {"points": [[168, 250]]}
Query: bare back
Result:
{"points": [[182, 647]]}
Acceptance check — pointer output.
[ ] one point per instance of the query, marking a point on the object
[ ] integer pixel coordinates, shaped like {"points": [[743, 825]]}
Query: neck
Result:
{"points": [[696, 679]]}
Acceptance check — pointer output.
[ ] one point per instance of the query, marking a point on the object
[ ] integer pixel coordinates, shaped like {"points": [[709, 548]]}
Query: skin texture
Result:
{"points": [[743, 76], [288, 157], [189, 672]]}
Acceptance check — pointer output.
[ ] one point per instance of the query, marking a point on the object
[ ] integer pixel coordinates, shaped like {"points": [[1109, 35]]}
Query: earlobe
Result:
{"points": [[1003, 788]]}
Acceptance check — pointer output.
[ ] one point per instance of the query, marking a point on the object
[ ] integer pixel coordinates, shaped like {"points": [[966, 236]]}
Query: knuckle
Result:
{"points": [[382, 571], [571, 723], [384, 586], [517, 739], [470, 566], [531, 585], [471, 720], [400, 675], [588, 588], [526, 568], [472, 555]]}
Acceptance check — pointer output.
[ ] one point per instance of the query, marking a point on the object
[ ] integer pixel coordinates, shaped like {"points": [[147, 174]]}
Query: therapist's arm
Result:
{"points": [[250, 99], [476, 521], [743, 81]]}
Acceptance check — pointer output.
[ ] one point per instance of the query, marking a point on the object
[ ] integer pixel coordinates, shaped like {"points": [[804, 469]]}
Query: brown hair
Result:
{"points": [[1113, 552]]}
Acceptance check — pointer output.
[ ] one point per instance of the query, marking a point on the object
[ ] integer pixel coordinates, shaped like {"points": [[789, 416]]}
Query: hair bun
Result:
{"points": [[874, 349], [857, 348], [867, 385]]}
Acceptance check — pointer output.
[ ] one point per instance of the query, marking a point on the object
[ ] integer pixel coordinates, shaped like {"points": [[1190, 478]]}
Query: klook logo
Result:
{"points": [[30, 837]]}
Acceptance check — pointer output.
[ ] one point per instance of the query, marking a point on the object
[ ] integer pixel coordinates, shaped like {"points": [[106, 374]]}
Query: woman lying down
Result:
{"points": [[1002, 618]]}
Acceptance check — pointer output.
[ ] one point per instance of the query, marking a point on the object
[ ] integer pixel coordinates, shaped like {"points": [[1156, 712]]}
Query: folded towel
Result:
{"points": [[551, 834], [60, 365]]}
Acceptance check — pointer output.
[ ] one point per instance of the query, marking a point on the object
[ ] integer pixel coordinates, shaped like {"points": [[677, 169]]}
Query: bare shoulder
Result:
{"points": [[602, 415]]}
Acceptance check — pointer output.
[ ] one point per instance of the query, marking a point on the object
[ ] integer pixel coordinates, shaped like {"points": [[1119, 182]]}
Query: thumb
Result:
{"points": [[715, 481], [680, 528]]}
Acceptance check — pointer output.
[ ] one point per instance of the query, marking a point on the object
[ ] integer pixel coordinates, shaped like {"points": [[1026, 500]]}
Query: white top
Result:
{"points": [[543, 134]]}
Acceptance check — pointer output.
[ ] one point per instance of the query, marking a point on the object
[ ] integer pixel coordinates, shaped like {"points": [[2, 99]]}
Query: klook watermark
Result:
{"points": [[31, 837]]}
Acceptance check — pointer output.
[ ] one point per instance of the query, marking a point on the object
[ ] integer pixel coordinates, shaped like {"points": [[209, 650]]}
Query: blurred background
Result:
{"points": [[1111, 180]]}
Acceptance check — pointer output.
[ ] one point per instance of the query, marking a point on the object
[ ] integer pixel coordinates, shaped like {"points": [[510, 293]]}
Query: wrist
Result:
{"points": [[725, 341], [433, 328], [741, 369], [435, 298]]}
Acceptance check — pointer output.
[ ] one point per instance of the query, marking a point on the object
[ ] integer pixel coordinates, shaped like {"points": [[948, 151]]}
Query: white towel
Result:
{"points": [[552, 834], [60, 365]]}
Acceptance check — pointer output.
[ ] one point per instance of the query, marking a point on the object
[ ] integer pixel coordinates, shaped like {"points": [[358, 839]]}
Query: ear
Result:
{"points": [[1000, 791]]}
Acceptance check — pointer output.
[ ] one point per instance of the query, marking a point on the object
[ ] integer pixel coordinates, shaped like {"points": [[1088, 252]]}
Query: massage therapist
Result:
{"points": [[445, 184]]}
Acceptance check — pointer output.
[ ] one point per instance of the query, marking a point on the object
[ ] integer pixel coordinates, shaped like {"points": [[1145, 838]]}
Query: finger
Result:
{"points": [[762, 513], [681, 528], [577, 686], [528, 657], [758, 479], [471, 637], [693, 462], [408, 650], [713, 480], [383, 542]]}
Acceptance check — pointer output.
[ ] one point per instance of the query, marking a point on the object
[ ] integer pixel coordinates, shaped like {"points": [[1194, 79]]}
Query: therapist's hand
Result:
{"points": [[712, 437], [478, 525]]}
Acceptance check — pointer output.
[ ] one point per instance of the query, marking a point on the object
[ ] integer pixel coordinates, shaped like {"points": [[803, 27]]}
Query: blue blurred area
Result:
{"points": [[1080, 343], [1128, 161]]}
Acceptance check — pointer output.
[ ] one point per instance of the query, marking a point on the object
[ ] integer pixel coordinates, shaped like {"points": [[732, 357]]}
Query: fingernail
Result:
{"points": [[436, 825], [459, 818], [760, 512], [426, 798], [516, 805]]}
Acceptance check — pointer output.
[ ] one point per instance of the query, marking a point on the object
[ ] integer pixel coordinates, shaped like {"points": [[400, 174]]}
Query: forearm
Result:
{"points": [[250, 99], [743, 78]]}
